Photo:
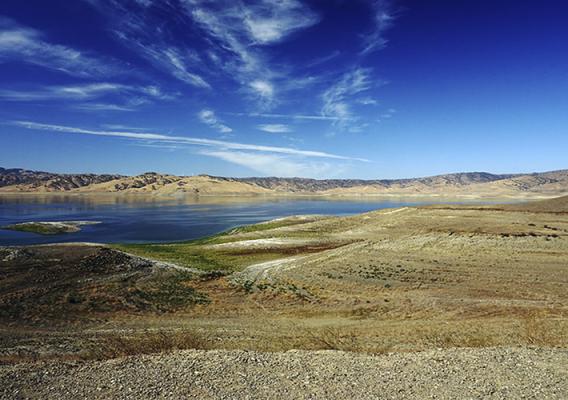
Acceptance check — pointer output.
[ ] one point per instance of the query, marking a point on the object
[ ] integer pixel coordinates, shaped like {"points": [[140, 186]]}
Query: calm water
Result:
{"points": [[143, 219]]}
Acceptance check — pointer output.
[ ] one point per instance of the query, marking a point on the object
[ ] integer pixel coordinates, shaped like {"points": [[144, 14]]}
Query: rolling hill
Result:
{"points": [[22, 180], [472, 184]]}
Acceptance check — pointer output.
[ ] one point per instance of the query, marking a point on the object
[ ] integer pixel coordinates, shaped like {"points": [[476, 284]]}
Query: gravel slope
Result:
{"points": [[497, 373]]}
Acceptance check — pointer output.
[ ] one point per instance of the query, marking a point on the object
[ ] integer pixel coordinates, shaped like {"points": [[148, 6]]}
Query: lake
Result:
{"points": [[137, 219]]}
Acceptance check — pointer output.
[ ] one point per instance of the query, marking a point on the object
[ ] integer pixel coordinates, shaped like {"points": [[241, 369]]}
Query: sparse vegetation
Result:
{"points": [[203, 255], [49, 228], [380, 282], [145, 342], [81, 283], [34, 227], [197, 256], [266, 226]]}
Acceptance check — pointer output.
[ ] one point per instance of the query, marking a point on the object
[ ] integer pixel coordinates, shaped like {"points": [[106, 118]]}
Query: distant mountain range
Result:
{"points": [[32, 181], [474, 184]]}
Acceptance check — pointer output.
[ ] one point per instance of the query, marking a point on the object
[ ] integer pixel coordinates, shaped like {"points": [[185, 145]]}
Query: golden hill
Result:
{"points": [[466, 185], [170, 184]]}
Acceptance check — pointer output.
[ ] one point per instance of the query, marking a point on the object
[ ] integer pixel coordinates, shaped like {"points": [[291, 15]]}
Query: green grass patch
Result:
{"points": [[197, 253], [195, 256], [265, 226]]}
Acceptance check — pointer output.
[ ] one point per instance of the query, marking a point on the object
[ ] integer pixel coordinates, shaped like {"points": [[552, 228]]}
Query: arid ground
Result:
{"points": [[390, 281]]}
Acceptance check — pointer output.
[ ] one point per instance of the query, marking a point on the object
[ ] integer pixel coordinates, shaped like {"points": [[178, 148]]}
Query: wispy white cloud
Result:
{"points": [[178, 67], [238, 32], [387, 114], [336, 98], [274, 128], [158, 137], [23, 44], [145, 3], [367, 101], [384, 17], [324, 59], [339, 99], [225, 39], [264, 90], [217, 43], [224, 29], [208, 117], [238, 26], [272, 164], [288, 116], [169, 59], [72, 92], [91, 106], [155, 92], [139, 32], [271, 21], [161, 146], [119, 97], [123, 127]]}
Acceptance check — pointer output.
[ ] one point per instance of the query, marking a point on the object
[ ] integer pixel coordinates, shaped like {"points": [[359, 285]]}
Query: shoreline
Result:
{"points": [[417, 196]]}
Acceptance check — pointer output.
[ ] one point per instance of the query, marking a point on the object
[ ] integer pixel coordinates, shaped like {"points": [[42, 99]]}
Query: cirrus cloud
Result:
{"points": [[159, 137], [208, 117], [274, 128], [19, 43]]}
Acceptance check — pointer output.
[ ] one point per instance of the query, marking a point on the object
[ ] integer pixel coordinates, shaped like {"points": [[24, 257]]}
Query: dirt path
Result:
{"points": [[257, 272], [396, 210], [449, 374]]}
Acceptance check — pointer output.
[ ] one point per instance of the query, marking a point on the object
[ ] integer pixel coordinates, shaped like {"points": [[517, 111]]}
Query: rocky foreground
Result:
{"points": [[513, 373]]}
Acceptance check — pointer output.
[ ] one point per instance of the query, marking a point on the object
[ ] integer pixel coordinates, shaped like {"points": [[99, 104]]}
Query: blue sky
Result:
{"points": [[324, 89]]}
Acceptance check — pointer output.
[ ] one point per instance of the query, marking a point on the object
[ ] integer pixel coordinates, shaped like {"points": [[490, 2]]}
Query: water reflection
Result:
{"points": [[137, 199]]}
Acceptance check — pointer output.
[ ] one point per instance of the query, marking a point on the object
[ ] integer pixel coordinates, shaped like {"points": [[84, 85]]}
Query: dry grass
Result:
{"points": [[370, 337], [416, 279], [537, 330], [144, 342], [272, 333], [332, 338]]}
